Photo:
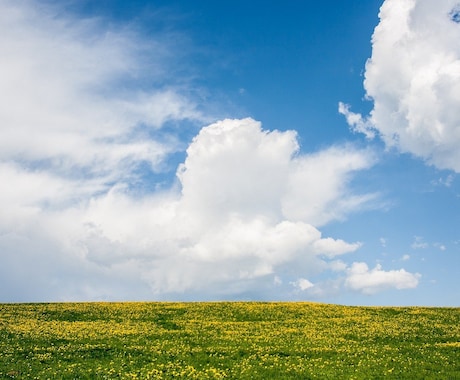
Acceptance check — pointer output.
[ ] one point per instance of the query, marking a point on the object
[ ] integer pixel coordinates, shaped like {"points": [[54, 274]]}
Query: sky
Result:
{"points": [[231, 150]]}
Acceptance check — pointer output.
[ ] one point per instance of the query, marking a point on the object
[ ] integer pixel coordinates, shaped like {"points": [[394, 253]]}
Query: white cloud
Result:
{"points": [[360, 278], [357, 277], [302, 284], [230, 224], [337, 265], [224, 235], [73, 104], [419, 243], [413, 78], [440, 246], [447, 182], [333, 247], [357, 123]]}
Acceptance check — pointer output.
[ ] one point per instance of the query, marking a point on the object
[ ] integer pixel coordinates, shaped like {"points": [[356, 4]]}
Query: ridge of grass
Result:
{"points": [[233, 340]]}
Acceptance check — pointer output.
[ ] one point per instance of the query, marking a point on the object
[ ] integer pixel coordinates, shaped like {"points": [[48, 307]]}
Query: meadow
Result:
{"points": [[227, 340]]}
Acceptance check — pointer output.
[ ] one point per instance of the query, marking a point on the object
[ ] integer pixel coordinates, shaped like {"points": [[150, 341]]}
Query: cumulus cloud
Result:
{"points": [[226, 229], [223, 234], [413, 79], [360, 278]]}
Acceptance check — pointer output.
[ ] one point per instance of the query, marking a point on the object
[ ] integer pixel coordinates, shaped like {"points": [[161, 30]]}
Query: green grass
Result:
{"points": [[227, 340]]}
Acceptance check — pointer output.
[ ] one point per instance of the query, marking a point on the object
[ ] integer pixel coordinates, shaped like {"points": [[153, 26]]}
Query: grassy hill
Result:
{"points": [[233, 340]]}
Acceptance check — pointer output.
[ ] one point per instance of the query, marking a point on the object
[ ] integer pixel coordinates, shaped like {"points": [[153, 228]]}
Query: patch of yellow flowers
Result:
{"points": [[233, 340]]}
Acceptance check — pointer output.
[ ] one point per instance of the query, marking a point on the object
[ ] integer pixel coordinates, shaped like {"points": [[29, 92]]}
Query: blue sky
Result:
{"points": [[177, 150]]}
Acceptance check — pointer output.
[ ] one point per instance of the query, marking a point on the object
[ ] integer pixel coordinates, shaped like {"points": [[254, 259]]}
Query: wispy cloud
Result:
{"points": [[419, 243], [357, 123], [75, 106], [447, 181]]}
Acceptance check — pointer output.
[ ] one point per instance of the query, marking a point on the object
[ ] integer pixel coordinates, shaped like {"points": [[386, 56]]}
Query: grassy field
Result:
{"points": [[227, 340]]}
